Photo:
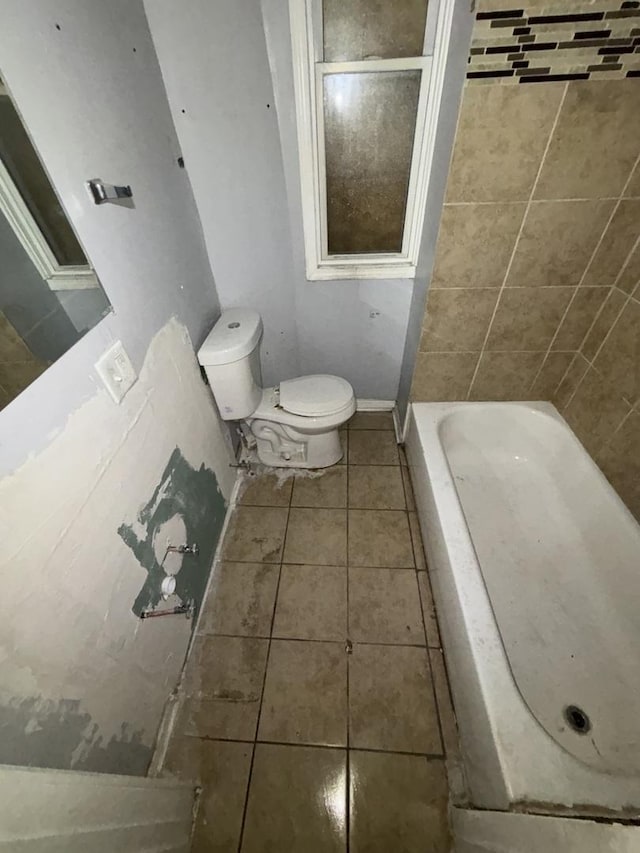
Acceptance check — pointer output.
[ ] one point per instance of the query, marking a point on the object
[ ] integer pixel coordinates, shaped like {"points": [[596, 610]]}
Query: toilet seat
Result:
{"points": [[270, 409], [317, 395]]}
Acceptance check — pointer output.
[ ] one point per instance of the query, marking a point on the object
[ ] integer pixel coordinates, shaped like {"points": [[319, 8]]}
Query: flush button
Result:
{"points": [[233, 326]]}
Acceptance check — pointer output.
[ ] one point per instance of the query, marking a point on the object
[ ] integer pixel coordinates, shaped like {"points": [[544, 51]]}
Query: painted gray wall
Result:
{"points": [[447, 120], [215, 68], [228, 66], [92, 97]]}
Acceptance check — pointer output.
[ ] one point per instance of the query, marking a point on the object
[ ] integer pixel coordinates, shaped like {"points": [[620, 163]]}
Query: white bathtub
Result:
{"points": [[535, 565]]}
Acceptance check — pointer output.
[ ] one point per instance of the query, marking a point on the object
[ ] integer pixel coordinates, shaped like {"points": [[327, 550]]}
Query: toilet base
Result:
{"points": [[281, 446]]}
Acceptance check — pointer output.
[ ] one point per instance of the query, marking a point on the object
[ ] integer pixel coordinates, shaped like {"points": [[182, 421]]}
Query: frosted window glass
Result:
{"points": [[369, 129], [373, 29]]}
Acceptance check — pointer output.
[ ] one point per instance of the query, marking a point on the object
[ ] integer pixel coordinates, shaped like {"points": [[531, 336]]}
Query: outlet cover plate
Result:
{"points": [[116, 371]]}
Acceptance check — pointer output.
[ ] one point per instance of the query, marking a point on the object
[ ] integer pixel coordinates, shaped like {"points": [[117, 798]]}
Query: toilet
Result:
{"points": [[296, 423]]}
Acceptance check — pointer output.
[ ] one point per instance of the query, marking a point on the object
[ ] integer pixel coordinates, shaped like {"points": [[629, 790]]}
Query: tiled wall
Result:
{"points": [[537, 261], [18, 365], [554, 39]]}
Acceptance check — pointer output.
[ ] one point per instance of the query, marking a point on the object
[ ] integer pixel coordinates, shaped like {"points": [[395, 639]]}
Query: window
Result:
{"points": [[31, 207], [368, 80]]}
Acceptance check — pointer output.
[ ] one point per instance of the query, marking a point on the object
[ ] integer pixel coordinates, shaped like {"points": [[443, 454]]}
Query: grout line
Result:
{"points": [[479, 288], [424, 628], [575, 293], [477, 352], [264, 681], [582, 278], [517, 240], [516, 202], [619, 427], [392, 568], [601, 309], [591, 362], [433, 756], [349, 652], [634, 248], [338, 642]]}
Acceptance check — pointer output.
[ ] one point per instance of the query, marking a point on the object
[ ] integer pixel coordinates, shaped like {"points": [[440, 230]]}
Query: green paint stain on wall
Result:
{"points": [[195, 497]]}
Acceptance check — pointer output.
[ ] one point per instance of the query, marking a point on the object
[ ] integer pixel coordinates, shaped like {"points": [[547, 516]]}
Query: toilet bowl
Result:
{"points": [[295, 423]]}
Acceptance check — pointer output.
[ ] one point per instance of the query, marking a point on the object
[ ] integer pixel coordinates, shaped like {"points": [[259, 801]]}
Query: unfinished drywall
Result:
{"points": [[228, 72], [83, 681]]}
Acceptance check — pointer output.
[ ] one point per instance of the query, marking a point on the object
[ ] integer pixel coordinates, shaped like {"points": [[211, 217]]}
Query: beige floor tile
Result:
{"points": [[448, 724], [416, 539], [372, 447], [384, 606], [399, 803], [297, 801], [429, 611], [255, 534], [223, 686], [316, 537], [391, 704], [266, 490], [305, 694], [326, 489], [222, 768], [376, 487], [408, 489], [379, 538], [241, 600], [371, 420], [312, 603]]}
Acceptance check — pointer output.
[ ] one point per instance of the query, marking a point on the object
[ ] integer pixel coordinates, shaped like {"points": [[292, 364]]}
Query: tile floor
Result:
{"points": [[316, 713]]}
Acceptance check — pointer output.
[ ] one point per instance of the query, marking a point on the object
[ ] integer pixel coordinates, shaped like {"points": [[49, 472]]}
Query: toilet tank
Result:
{"points": [[230, 356]]}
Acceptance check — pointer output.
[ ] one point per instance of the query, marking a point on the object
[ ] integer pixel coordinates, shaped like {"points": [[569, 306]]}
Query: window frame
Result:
{"points": [[309, 70], [57, 276]]}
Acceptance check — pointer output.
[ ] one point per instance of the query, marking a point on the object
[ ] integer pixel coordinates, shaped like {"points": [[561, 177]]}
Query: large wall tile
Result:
{"points": [[617, 242], [551, 374], [457, 319], [505, 375], [619, 460], [527, 317], [578, 319], [443, 376], [619, 359], [629, 277], [502, 134], [572, 379], [633, 188], [475, 244], [595, 411], [595, 142], [556, 331], [603, 322], [557, 241], [12, 347]]}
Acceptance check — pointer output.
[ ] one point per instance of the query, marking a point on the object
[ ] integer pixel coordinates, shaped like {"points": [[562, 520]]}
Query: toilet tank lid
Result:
{"points": [[233, 337], [316, 395]]}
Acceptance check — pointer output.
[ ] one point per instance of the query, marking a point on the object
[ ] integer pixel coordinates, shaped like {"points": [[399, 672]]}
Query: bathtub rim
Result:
{"points": [[509, 759]]}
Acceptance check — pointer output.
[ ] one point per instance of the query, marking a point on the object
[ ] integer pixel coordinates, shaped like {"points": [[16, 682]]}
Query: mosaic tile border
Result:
{"points": [[561, 42]]}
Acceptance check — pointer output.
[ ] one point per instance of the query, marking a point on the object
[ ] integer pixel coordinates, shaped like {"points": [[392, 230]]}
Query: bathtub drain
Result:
{"points": [[577, 719]]}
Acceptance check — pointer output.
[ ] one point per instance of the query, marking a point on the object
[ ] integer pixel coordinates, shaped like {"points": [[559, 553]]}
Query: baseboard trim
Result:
{"points": [[366, 405], [397, 426]]}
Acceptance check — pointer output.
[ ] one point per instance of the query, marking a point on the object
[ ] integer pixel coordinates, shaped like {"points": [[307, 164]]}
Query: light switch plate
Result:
{"points": [[116, 371]]}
